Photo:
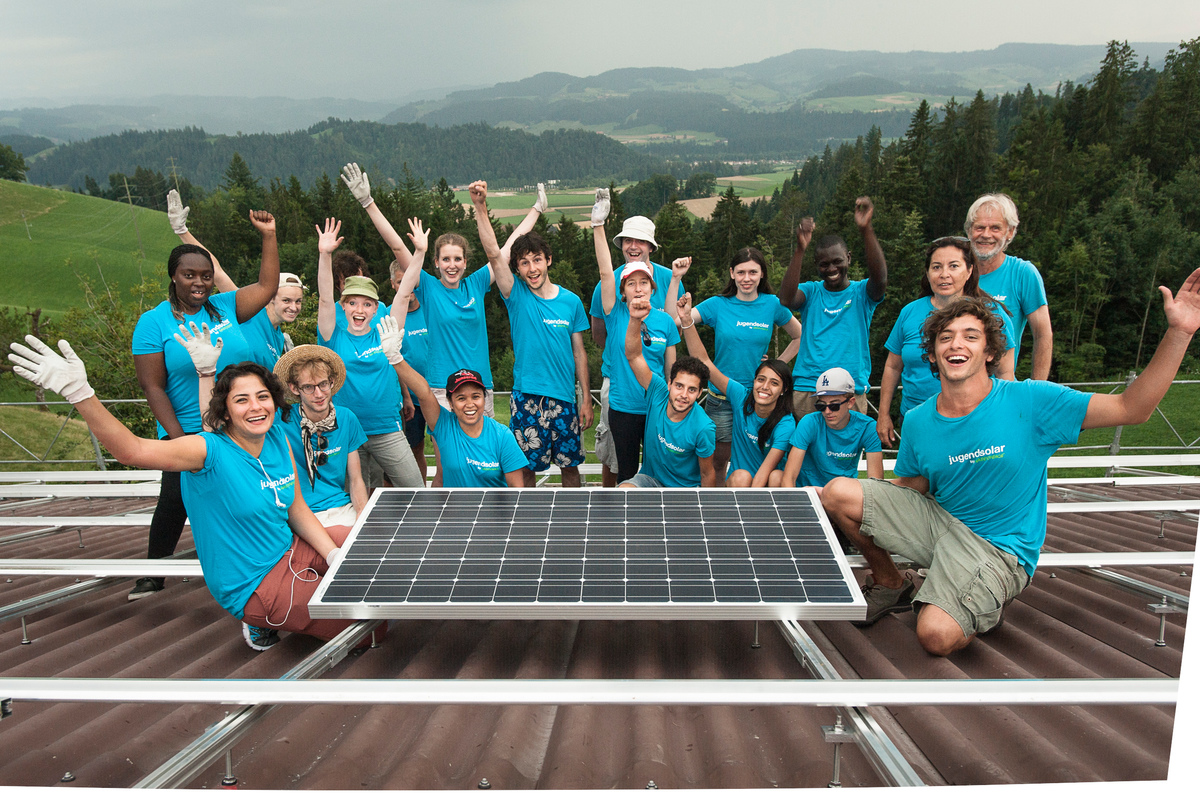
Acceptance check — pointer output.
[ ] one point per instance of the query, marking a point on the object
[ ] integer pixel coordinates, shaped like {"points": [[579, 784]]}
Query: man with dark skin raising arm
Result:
{"points": [[969, 498], [835, 312]]}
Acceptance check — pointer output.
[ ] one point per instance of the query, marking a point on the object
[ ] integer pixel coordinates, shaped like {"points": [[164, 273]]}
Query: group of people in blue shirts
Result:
{"points": [[234, 451]]}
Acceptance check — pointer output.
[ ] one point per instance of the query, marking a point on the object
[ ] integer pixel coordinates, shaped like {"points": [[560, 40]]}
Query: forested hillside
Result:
{"points": [[458, 154]]}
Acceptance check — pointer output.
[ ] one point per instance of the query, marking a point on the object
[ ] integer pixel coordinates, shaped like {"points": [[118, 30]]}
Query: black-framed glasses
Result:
{"points": [[308, 390], [830, 406]]}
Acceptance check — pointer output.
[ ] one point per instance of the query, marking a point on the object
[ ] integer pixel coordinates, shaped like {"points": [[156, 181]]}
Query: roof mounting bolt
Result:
{"points": [[1183, 573], [484, 784], [650, 786], [68, 777], [5, 708], [1053, 576]]}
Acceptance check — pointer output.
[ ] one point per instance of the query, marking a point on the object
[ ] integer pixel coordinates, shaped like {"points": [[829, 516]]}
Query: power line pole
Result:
{"points": [[26, 221], [174, 172], [133, 213]]}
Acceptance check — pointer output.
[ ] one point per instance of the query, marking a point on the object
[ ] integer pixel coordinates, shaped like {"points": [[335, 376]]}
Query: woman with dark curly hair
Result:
{"points": [[165, 372], [261, 548]]}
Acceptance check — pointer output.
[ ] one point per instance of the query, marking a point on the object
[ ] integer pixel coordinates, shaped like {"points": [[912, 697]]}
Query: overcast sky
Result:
{"points": [[379, 50]]}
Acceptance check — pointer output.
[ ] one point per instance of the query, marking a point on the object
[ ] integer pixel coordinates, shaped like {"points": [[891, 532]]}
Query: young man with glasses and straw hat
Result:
{"points": [[324, 438]]}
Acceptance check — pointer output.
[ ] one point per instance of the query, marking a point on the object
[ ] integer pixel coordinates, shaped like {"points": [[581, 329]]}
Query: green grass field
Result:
{"points": [[42, 435], [70, 235], [760, 185]]}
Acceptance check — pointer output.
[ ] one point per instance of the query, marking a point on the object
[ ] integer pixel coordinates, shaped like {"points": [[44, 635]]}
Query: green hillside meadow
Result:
{"points": [[49, 238]]}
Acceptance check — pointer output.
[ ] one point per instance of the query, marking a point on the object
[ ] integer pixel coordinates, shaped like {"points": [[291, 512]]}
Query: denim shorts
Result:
{"points": [[720, 410]]}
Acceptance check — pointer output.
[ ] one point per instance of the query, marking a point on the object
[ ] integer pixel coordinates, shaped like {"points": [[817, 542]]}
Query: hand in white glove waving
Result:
{"points": [[601, 208], [356, 180], [63, 374], [542, 203], [177, 213], [199, 346], [391, 336]]}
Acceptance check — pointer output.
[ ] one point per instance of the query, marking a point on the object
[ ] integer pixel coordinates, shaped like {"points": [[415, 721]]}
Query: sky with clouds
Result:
{"points": [[377, 50]]}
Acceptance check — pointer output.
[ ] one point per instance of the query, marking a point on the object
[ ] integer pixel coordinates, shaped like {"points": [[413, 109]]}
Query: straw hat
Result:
{"points": [[310, 352]]}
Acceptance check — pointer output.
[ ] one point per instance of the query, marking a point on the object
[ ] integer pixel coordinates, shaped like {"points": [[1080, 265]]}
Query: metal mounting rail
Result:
{"points": [[80, 491], [101, 567], [93, 476], [1146, 590], [876, 746], [130, 520], [189, 762], [754, 693], [1178, 505], [1078, 560]]}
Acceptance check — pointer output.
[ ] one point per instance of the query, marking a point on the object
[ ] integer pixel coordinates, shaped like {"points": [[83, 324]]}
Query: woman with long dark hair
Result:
{"points": [[762, 422], [950, 273], [743, 318], [165, 371]]}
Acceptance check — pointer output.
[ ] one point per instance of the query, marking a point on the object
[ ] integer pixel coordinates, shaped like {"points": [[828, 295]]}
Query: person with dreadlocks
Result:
{"points": [[165, 371]]}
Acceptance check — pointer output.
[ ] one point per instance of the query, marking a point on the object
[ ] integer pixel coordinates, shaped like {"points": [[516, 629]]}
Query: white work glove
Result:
{"points": [[199, 346], [332, 554], [177, 212], [391, 336], [63, 374], [356, 180], [542, 203], [601, 208]]}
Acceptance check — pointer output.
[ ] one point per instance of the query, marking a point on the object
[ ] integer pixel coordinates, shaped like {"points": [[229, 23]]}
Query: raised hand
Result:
{"points": [[639, 308], [263, 221], [199, 346], [683, 311], [177, 213], [1183, 309], [864, 209], [601, 208], [328, 239], [356, 180], [478, 192], [64, 374], [542, 204], [391, 337], [680, 266], [804, 232], [419, 236]]}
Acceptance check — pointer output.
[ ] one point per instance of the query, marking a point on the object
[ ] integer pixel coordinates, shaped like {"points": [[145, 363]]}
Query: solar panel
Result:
{"points": [[591, 554]]}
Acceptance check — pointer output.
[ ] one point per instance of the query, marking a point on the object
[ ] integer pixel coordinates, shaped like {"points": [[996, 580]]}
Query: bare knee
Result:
{"points": [[843, 496], [740, 479], [938, 633]]}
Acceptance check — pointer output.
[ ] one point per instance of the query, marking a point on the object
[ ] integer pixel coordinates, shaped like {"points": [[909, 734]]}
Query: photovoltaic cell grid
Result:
{"points": [[578, 553]]}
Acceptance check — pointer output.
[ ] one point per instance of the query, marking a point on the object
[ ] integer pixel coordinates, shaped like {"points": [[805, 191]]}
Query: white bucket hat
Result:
{"points": [[637, 227]]}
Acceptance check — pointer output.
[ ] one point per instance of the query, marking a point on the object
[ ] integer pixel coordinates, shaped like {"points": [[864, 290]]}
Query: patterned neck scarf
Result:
{"points": [[309, 429]]}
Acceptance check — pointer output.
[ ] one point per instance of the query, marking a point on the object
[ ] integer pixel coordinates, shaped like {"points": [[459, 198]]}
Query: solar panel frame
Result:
{"points": [[555, 553]]}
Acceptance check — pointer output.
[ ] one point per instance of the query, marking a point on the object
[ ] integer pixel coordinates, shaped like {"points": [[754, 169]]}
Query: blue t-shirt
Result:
{"points": [[329, 488], [265, 340], [238, 507], [742, 331], [988, 468], [155, 332], [837, 326], [625, 393], [476, 462], [1018, 284], [744, 451], [662, 279], [415, 348], [672, 448], [372, 389], [918, 382], [458, 336], [544, 363], [830, 453]]}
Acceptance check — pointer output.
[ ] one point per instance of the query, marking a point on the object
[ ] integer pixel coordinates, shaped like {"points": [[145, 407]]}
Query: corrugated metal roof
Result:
{"points": [[1066, 624]]}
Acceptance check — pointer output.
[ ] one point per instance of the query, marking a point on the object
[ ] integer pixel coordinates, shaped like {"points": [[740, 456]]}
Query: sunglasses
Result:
{"points": [[831, 406], [320, 442], [646, 340]]}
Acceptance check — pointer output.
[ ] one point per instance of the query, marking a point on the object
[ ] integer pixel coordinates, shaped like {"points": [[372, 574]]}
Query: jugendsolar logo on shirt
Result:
{"points": [[979, 455], [490, 467], [222, 325], [836, 311], [754, 325], [277, 484], [1000, 297], [368, 353], [554, 322], [669, 445], [842, 455], [421, 331]]}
